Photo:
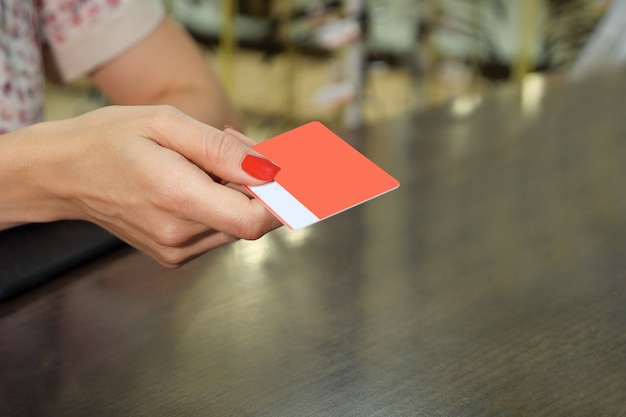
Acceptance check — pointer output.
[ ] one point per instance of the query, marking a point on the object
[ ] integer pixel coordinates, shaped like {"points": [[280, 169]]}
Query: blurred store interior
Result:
{"points": [[352, 62]]}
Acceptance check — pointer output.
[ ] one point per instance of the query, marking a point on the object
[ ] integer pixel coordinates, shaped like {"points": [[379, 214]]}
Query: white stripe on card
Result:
{"points": [[285, 206]]}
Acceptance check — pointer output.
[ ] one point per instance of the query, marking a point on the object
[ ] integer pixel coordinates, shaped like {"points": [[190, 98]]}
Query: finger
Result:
{"points": [[175, 257], [198, 199], [174, 253], [243, 139], [196, 204], [215, 151], [239, 136], [239, 188], [230, 211]]}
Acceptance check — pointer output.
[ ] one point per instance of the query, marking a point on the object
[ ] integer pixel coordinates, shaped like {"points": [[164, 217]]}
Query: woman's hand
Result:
{"points": [[156, 178]]}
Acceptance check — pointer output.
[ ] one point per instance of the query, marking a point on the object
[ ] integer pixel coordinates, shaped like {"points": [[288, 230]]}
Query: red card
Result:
{"points": [[321, 175]]}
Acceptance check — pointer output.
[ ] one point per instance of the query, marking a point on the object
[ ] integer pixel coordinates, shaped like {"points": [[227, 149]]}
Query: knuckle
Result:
{"points": [[219, 146], [171, 258], [250, 229], [162, 115], [171, 234], [166, 111], [170, 192]]}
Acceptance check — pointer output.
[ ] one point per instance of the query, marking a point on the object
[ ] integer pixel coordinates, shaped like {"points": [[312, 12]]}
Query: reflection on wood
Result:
{"points": [[492, 283]]}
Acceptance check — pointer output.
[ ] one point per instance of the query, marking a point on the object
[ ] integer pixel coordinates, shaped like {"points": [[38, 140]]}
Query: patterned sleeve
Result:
{"points": [[84, 34]]}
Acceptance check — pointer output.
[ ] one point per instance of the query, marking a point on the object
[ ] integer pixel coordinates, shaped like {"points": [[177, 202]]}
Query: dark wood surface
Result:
{"points": [[491, 283]]}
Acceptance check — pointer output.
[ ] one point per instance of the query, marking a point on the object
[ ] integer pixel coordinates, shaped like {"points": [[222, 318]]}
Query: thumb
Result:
{"points": [[217, 152]]}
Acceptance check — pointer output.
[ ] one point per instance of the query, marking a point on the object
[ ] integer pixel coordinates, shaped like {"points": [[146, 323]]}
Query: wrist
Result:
{"points": [[30, 184]]}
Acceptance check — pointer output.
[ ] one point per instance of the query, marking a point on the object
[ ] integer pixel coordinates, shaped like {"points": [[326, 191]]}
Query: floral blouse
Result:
{"points": [[81, 34]]}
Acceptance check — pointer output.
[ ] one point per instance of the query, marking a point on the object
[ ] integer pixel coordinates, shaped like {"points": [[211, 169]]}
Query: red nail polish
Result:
{"points": [[259, 167]]}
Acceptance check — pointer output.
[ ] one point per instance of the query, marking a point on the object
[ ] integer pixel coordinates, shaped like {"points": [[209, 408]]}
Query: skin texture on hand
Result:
{"points": [[145, 173], [155, 177]]}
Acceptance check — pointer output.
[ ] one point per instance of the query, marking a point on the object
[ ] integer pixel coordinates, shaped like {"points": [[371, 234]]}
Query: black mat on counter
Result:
{"points": [[33, 254]]}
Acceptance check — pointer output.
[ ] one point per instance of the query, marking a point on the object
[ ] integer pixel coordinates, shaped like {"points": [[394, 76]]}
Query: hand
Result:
{"points": [[150, 175]]}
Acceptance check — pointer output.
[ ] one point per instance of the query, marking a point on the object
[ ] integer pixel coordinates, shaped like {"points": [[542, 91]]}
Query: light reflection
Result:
{"points": [[252, 256], [463, 106], [294, 238], [533, 89]]}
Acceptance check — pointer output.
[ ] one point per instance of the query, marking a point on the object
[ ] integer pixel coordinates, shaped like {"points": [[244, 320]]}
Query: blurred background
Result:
{"points": [[353, 62]]}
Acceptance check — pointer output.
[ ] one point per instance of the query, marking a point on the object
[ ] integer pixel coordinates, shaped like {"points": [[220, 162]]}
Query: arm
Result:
{"points": [[139, 172], [167, 67]]}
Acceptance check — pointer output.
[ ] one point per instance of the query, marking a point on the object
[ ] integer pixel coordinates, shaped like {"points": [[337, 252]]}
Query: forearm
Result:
{"points": [[28, 189], [168, 68], [208, 105], [140, 172]]}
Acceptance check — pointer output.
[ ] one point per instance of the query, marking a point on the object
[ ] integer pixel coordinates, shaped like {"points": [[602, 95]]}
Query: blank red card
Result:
{"points": [[321, 175]]}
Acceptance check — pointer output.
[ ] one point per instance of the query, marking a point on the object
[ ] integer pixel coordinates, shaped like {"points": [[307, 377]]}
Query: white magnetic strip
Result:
{"points": [[284, 205]]}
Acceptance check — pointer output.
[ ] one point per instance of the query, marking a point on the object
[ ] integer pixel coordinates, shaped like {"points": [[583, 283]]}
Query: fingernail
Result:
{"points": [[230, 127], [259, 167]]}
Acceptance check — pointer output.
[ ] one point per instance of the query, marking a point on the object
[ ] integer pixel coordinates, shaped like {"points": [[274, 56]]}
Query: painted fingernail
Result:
{"points": [[259, 167]]}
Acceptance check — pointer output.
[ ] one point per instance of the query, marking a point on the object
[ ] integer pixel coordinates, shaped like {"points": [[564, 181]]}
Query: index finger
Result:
{"points": [[215, 151]]}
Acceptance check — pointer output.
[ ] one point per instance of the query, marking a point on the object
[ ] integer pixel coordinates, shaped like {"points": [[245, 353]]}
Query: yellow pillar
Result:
{"points": [[227, 43], [528, 35]]}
